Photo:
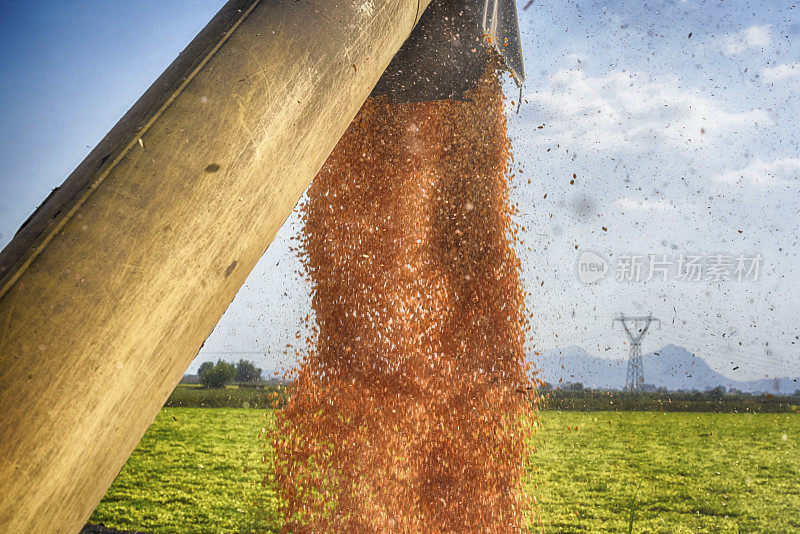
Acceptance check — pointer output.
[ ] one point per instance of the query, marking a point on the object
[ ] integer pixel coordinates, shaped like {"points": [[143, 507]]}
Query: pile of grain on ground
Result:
{"points": [[412, 409]]}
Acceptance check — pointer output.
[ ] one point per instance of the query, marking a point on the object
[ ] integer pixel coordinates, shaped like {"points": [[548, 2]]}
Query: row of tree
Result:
{"points": [[220, 374]]}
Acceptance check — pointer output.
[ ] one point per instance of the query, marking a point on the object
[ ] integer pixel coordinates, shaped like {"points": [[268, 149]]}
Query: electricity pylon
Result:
{"points": [[634, 375]]}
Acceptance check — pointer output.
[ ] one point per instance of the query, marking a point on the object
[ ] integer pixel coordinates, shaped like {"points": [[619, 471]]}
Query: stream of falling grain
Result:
{"points": [[412, 409]]}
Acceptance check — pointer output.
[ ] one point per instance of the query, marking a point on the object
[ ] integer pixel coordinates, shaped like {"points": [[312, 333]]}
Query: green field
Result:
{"points": [[198, 470], [680, 472]]}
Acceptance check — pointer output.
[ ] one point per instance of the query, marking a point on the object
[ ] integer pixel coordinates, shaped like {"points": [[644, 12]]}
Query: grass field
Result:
{"points": [[197, 470], [680, 472]]}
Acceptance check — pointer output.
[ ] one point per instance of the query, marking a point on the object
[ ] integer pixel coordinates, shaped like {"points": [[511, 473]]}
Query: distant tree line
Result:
{"points": [[574, 396], [220, 374], [716, 392]]}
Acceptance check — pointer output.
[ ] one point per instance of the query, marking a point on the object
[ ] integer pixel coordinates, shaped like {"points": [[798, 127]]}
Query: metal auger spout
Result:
{"points": [[449, 48]]}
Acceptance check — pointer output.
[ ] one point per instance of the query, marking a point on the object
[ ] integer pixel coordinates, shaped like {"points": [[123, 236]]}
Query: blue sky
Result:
{"points": [[68, 72], [678, 144]]}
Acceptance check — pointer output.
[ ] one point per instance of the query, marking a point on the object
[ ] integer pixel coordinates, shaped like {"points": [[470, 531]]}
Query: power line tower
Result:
{"points": [[634, 375]]}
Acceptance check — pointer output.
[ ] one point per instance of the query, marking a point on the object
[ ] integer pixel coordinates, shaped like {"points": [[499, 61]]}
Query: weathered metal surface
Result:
{"points": [[109, 290]]}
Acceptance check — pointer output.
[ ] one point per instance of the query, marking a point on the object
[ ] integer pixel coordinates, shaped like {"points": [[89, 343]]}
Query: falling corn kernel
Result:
{"points": [[413, 409]]}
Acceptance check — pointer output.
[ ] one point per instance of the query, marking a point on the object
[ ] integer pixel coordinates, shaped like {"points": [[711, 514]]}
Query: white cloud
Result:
{"points": [[660, 205], [622, 110], [752, 37], [781, 72], [764, 172]]}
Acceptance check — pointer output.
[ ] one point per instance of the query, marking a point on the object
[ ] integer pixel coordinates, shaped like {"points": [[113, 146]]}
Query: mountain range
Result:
{"points": [[672, 367]]}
